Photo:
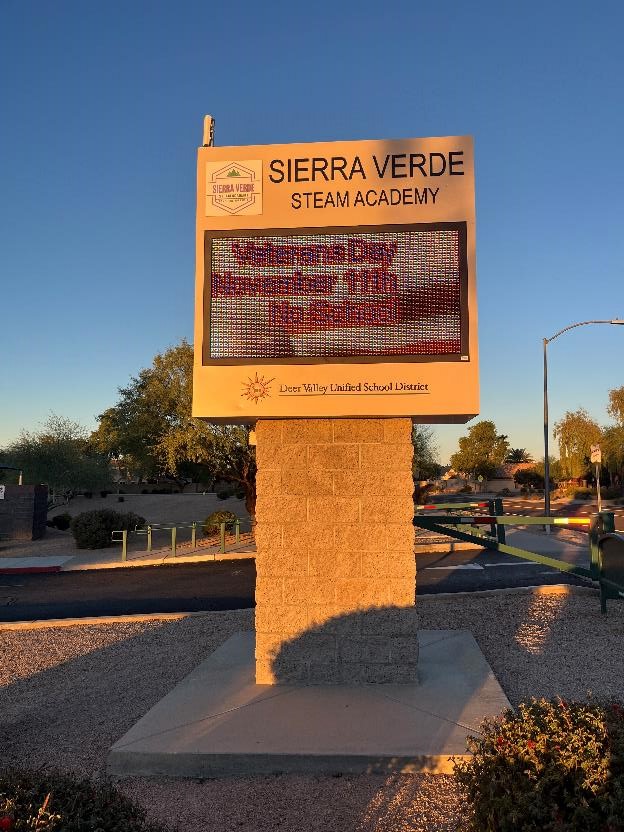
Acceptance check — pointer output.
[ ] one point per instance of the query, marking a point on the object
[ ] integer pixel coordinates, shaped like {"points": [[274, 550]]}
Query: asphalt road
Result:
{"points": [[225, 585], [222, 585], [478, 570]]}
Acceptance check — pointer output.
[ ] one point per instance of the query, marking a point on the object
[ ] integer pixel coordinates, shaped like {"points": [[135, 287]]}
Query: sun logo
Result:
{"points": [[257, 388]]}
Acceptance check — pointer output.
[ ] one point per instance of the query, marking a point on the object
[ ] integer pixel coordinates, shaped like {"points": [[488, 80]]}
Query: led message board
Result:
{"points": [[336, 280]]}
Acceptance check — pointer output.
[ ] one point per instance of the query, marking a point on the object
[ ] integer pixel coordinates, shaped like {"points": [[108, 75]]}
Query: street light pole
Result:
{"points": [[614, 322], [546, 460]]}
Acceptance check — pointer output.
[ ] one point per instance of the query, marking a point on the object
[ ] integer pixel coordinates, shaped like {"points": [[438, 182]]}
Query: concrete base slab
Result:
{"points": [[218, 722]]}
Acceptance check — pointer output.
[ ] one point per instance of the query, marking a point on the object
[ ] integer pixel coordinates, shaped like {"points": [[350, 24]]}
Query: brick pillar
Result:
{"points": [[335, 552]]}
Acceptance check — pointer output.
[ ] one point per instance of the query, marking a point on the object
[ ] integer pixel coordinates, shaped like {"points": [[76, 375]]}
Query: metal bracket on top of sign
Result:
{"points": [[209, 127]]}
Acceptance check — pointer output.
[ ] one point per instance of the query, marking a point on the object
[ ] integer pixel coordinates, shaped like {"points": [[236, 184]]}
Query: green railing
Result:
{"points": [[149, 531]]}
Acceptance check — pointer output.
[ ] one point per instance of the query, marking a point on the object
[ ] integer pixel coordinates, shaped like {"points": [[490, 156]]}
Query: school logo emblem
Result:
{"points": [[257, 388], [233, 188]]}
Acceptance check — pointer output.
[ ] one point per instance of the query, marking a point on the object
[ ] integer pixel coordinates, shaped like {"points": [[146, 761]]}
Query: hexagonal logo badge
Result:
{"points": [[233, 188]]}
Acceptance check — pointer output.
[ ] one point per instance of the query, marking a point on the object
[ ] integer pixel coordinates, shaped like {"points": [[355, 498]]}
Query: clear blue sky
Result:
{"points": [[102, 108]]}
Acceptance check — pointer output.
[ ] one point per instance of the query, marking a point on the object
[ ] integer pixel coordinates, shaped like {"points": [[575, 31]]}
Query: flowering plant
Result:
{"points": [[548, 766]]}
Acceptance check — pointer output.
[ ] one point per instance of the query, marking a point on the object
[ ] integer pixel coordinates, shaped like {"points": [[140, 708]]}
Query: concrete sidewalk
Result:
{"points": [[111, 559], [542, 544]]}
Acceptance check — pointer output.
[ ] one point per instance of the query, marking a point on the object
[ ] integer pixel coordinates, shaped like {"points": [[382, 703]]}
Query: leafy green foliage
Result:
{"points": [[517, 455], [576, 432], [554, 468], [56, 802], [529, 477], [212, 523], [615, 408], [60, 456], [62, 521], [93, 529], [550, 766], [151, 430], [481, 452], [425, 465], [574, 492]]}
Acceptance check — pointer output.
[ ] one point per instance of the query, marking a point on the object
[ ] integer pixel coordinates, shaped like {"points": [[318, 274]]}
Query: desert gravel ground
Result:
{"points": [[68, 693]]}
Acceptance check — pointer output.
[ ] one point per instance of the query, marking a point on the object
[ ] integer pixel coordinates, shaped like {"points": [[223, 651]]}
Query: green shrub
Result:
{"points": [[52, 801], [610, 493], [549, 766], [93, 529], [212, 523], [581, 493], [62, 521], [223, 494]]}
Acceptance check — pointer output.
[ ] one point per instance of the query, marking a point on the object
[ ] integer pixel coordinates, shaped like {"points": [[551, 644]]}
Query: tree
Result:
{"points": [[612, 445], [60, 456], [529, 477], [615, 408], [576, 433], [481, 452], [152, 430], [425, 465], [554, 467], [518, 455]]}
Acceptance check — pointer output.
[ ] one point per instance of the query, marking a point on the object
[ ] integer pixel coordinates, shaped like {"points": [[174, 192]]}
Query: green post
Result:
{"points": [[194, 535], [222, 530], [124, 545], [608, 522], [602, 523], [594, 551], [493, 512], [237, 530], [149, 538], [174, 532], [499, 510]]}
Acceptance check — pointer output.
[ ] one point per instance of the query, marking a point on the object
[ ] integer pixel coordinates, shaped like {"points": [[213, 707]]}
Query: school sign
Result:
{"points": [[336, 279]]}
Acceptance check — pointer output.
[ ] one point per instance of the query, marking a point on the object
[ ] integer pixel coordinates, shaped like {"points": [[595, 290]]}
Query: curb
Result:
{"points": [[167, 561], [41, 624], [29, 570], [538, 589], [129, 564]]}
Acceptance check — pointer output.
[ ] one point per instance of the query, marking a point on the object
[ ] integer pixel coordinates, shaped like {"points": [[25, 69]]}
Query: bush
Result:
{"points": [[466, 489], [212, 523], [104, 493], [223, 495], [581, 493], [93, 529], [49, 801], [610, 492], [551, 765], [62, 521], [87, 494], [121, 499]]}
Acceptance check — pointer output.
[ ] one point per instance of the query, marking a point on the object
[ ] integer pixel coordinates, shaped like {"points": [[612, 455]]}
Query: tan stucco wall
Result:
{"points": [[335, 552]]}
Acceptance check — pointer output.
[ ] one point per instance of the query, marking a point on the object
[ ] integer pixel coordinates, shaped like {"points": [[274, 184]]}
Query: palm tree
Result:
{"points": [[518, 455]]}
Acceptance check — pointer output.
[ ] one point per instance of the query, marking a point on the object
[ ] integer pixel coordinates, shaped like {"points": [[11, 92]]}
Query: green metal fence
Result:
{"points": [[229, 536]]}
